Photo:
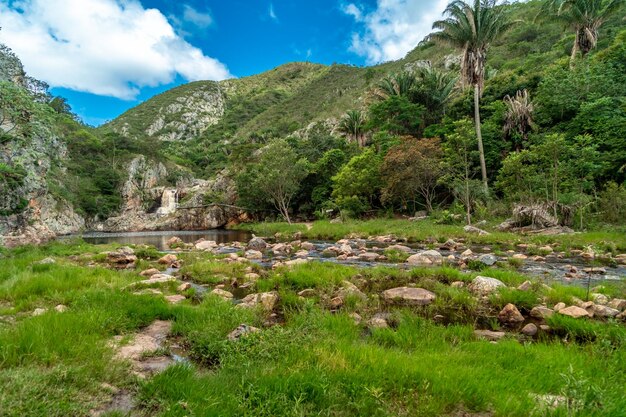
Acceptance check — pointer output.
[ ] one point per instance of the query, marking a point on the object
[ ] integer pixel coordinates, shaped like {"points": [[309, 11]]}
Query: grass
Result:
{"points": [[315, 363], [425, 230]]}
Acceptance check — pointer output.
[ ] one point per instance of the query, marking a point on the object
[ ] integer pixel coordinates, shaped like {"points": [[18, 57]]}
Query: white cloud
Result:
{"points": [[393, 28], [200, 19], [353, 10], [105, 47], [272, 13]]}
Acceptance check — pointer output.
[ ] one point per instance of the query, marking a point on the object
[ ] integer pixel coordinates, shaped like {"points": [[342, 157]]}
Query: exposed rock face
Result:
{"points": [[148, 206], [30, 214]]}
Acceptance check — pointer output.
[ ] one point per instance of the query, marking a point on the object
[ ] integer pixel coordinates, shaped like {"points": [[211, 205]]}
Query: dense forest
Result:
{"points": [[529, 106]]}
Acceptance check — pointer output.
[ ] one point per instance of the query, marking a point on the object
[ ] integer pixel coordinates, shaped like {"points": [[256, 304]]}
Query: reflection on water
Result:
{"points": [[159, 239]]}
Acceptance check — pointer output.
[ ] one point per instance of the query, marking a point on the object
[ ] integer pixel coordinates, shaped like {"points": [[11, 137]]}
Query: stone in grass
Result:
{"points": [[183, 287], [489, 335], [574, 311], [39, 311], [61, 308], [510, 315], [267, 299], [530, 329], [242, 330], [429, 257], [541, 312], [169, 259], [475, 230], [379, 321], [46, 261], [307, 293], [525, 286], [156, 279], [222, 293], [485, 285], [175, 299], [408, 296], [618, 304], [559, 306], [336, 303], [604, 311], [149, 272]]}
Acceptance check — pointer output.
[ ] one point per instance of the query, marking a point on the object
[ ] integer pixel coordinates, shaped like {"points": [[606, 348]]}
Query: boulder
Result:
{"points": [[618, 304], [155, 279], [123, 256], [267, 300], [256, 243], [378, 321], [369, 256], [222, 293], [169, 259], [604, 311], [399, 248], [408, 296], [429, 257], [574, 311], [530, 329], [307, 246], [183, 287], [206, 245], [541, 312], [510, 315], [475, 230], [175, 299], [335, 303], [254, 254], [489, 335], [546, 249], [467, 254], [600, 299], [621, 259], [488, 259], [525, 286], [519, 256], [149, 272], [485, 285], [173, 241], [559, 306], [349, 289], [242, 330]]}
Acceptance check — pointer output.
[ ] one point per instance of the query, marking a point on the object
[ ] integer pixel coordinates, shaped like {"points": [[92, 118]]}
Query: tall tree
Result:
{"points": [[585, 17], [353, 126], [472, 28]]}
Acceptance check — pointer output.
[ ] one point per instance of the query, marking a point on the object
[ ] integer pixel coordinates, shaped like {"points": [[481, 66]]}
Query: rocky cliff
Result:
{"points": [[30, 150]]}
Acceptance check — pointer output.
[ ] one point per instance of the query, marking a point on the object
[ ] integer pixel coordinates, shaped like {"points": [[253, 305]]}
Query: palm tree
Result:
{"points": [[585, 17], [518, 119], [353, 126], [435, 89], [401, 84], [472, 28]]}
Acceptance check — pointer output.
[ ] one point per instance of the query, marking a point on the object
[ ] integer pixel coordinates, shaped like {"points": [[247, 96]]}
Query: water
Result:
{"points": [[160, 238]]}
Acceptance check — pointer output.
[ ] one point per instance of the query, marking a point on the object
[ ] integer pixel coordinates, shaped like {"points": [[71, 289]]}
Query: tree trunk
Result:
{"points": [[479, 136]]}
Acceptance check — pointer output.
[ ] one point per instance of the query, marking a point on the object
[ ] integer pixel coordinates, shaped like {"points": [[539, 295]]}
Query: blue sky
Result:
{"points": [[106, 56]]}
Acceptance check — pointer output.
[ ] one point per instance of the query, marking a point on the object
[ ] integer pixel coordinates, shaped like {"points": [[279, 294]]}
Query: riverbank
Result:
{"points": [[106, 330], [613, 239]]}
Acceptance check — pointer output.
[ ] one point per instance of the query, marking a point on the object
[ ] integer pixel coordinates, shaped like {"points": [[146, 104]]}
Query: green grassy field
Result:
{"points": [[612, 240], [315, 362]]}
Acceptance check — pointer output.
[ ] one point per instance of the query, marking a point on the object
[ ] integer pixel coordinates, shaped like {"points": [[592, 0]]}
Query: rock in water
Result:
{"points": [[256, 243], [429, 257], [488, 259]]}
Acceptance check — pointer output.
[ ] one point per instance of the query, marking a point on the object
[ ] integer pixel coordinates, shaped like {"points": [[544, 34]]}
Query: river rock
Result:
{"points": [[369, 256], [173, 241], [485, 285], [267, 300], [242, 330], [519, 256], [206, 245], [254, 254], [307, 246], [488, 259], [475, 230], [175, 299], [122, 257], [408, 296], [149, 272], [574, 311], [600, 299], [621, 259], [510, 315], [559, 306], [399, 248], [618, 304], [183, 287], [256, 243], [467, 254], [530, 329], [169, 259], [525, 286], [541, 312], [604, 311], [349, 289], [222, 294], [429, 257], [489, 335]]}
